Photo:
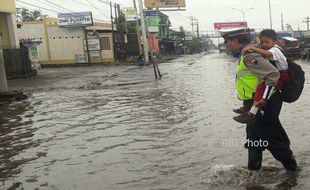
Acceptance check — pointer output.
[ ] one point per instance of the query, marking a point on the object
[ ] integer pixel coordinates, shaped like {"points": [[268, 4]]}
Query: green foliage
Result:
{"points": [[132, 28], [27, 15], [195, 43]]}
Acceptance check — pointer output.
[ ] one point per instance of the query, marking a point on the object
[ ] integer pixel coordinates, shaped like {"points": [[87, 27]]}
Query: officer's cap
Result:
{"points": [[233, 33]]}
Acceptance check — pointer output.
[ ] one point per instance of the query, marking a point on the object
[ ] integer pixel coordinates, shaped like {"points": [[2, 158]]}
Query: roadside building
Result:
{"points": [[16, 60], [8, 24], [67, 45]]}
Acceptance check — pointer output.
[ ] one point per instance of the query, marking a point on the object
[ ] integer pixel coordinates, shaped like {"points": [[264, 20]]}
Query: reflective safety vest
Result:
{"points": [[246, 81]]}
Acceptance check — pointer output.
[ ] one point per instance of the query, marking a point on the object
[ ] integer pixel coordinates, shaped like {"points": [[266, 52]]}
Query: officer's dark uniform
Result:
{"points": [[267, 127]]}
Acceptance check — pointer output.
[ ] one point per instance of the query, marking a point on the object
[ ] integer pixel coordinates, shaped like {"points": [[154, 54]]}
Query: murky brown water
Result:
{"points": [[116, 128]]}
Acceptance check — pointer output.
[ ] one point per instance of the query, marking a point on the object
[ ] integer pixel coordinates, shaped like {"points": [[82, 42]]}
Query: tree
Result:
{"points": [[195, 45], [27, 15]]}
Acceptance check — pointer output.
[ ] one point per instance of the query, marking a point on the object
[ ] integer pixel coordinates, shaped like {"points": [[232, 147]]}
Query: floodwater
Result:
{"points": [[114, 128]]}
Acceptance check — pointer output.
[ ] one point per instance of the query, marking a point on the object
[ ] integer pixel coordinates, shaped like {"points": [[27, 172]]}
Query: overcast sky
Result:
{"points": [[206, 11]]}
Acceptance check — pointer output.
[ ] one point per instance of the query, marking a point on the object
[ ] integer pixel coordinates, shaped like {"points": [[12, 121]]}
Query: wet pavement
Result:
{"points": [[117, 128]]}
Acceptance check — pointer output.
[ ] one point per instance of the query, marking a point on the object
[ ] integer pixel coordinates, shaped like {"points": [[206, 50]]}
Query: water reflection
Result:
{"points": [[99, 130], [17, 135]]}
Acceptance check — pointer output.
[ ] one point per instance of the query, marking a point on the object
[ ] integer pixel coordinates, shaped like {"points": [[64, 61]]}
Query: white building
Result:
{"points": [[68, 45]]}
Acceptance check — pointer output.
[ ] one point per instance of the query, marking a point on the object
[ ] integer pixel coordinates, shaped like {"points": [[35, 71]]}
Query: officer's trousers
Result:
{"points": [[269, 128], [284, 155]]}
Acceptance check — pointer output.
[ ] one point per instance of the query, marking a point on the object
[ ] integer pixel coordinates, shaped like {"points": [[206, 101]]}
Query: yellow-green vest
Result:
{"points": [[246, 81]]}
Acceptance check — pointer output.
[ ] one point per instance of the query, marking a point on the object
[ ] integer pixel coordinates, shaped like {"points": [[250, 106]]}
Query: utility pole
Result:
{"points": [[145, 41], [197, 26], [192, 18], [243, 11], [113, 33], [137, 27], [282, 24], [134, 4], [270, 16], [117, 31], [307, 21], [122, 32]]}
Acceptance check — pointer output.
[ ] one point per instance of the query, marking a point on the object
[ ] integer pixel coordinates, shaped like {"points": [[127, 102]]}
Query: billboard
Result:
{"points": [[153, 29], [131, 14], [152, 21], [93, 44], [75, 19], [164, 3], [220, 25]]}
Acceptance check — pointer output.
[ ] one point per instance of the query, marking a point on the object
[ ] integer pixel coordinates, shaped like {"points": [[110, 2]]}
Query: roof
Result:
{"points": [[100, 28], [290, 39]]}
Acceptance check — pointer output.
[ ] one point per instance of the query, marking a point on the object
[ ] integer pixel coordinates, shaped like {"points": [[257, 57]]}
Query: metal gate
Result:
{"points": [[17, 62]]}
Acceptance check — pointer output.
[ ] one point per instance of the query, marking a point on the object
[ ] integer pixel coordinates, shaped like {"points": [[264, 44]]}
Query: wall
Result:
{"points": [[60, 45], [7, 6], [34, 31], [107, 54], [4, 30], [65, 43]]}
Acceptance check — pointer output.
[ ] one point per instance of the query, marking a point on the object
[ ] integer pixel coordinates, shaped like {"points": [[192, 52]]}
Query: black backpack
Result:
{"points": [[293, 87]]}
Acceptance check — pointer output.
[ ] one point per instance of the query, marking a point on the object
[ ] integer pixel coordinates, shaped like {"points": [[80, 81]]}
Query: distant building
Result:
{"points": [[67, 45], [8, 23], [16, 60]]}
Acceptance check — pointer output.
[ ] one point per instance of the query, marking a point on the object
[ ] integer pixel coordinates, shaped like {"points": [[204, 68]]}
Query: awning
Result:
{"points": [[290, 39]]}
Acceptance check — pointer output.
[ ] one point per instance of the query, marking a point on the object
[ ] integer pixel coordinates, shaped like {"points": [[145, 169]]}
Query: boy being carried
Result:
{"points": [[273, 52]]}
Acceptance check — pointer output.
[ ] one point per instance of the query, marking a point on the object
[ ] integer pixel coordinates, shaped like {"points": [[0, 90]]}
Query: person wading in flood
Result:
{"points": [[266, 132]]}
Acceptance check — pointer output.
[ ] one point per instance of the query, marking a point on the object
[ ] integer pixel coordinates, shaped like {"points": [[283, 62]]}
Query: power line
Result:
{"points": [[78, 2], [41, 1], [97, 9], [59, 6], [228, 6], [307, 21], [37, 6], [50, 10]]}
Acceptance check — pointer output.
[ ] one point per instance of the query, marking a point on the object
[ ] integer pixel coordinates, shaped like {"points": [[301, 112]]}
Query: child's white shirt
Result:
{"points": [[279, 58]]}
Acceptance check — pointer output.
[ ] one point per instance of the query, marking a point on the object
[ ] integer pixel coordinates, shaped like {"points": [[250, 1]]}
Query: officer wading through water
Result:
{"points": [[252, 70]]}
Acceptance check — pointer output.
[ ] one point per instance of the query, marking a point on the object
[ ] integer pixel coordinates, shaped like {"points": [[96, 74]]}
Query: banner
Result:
{"points": [[75, 19], [164, 3], [220, 25]]}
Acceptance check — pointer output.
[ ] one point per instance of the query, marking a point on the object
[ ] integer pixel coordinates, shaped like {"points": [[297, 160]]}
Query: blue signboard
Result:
{"points": [[150, 13]]}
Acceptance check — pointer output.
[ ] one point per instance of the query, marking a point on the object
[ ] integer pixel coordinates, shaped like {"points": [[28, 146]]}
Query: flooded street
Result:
{"points": [[115, 127]]}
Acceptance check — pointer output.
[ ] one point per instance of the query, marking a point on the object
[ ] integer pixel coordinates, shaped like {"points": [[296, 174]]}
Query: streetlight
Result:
{"points": [[270, 14], [243, 11]]}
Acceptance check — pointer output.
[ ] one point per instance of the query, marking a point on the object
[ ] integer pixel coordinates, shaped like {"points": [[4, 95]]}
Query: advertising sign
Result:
{"points": [[33, 53], [131, 14], [153, 29], [152, 21], [95, 54], [75, 19], [220, 25], [93, 44], [164, 3], [150, 13]]}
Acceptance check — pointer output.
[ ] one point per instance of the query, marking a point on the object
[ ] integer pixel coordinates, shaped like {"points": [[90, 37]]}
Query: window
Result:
{"points": [[105, 43]]}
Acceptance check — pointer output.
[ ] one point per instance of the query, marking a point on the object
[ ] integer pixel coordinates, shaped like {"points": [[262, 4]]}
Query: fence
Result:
{"points": [[17, 62]]}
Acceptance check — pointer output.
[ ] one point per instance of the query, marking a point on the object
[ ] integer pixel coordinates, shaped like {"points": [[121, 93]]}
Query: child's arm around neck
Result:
{"points": [[263, 52]]}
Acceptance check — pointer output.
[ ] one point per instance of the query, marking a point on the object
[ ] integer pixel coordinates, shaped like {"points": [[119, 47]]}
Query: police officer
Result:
{"points": [[266, 132]]}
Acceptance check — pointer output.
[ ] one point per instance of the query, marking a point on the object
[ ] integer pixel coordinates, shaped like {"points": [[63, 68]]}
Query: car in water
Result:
{"points": [[222, 48]]}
